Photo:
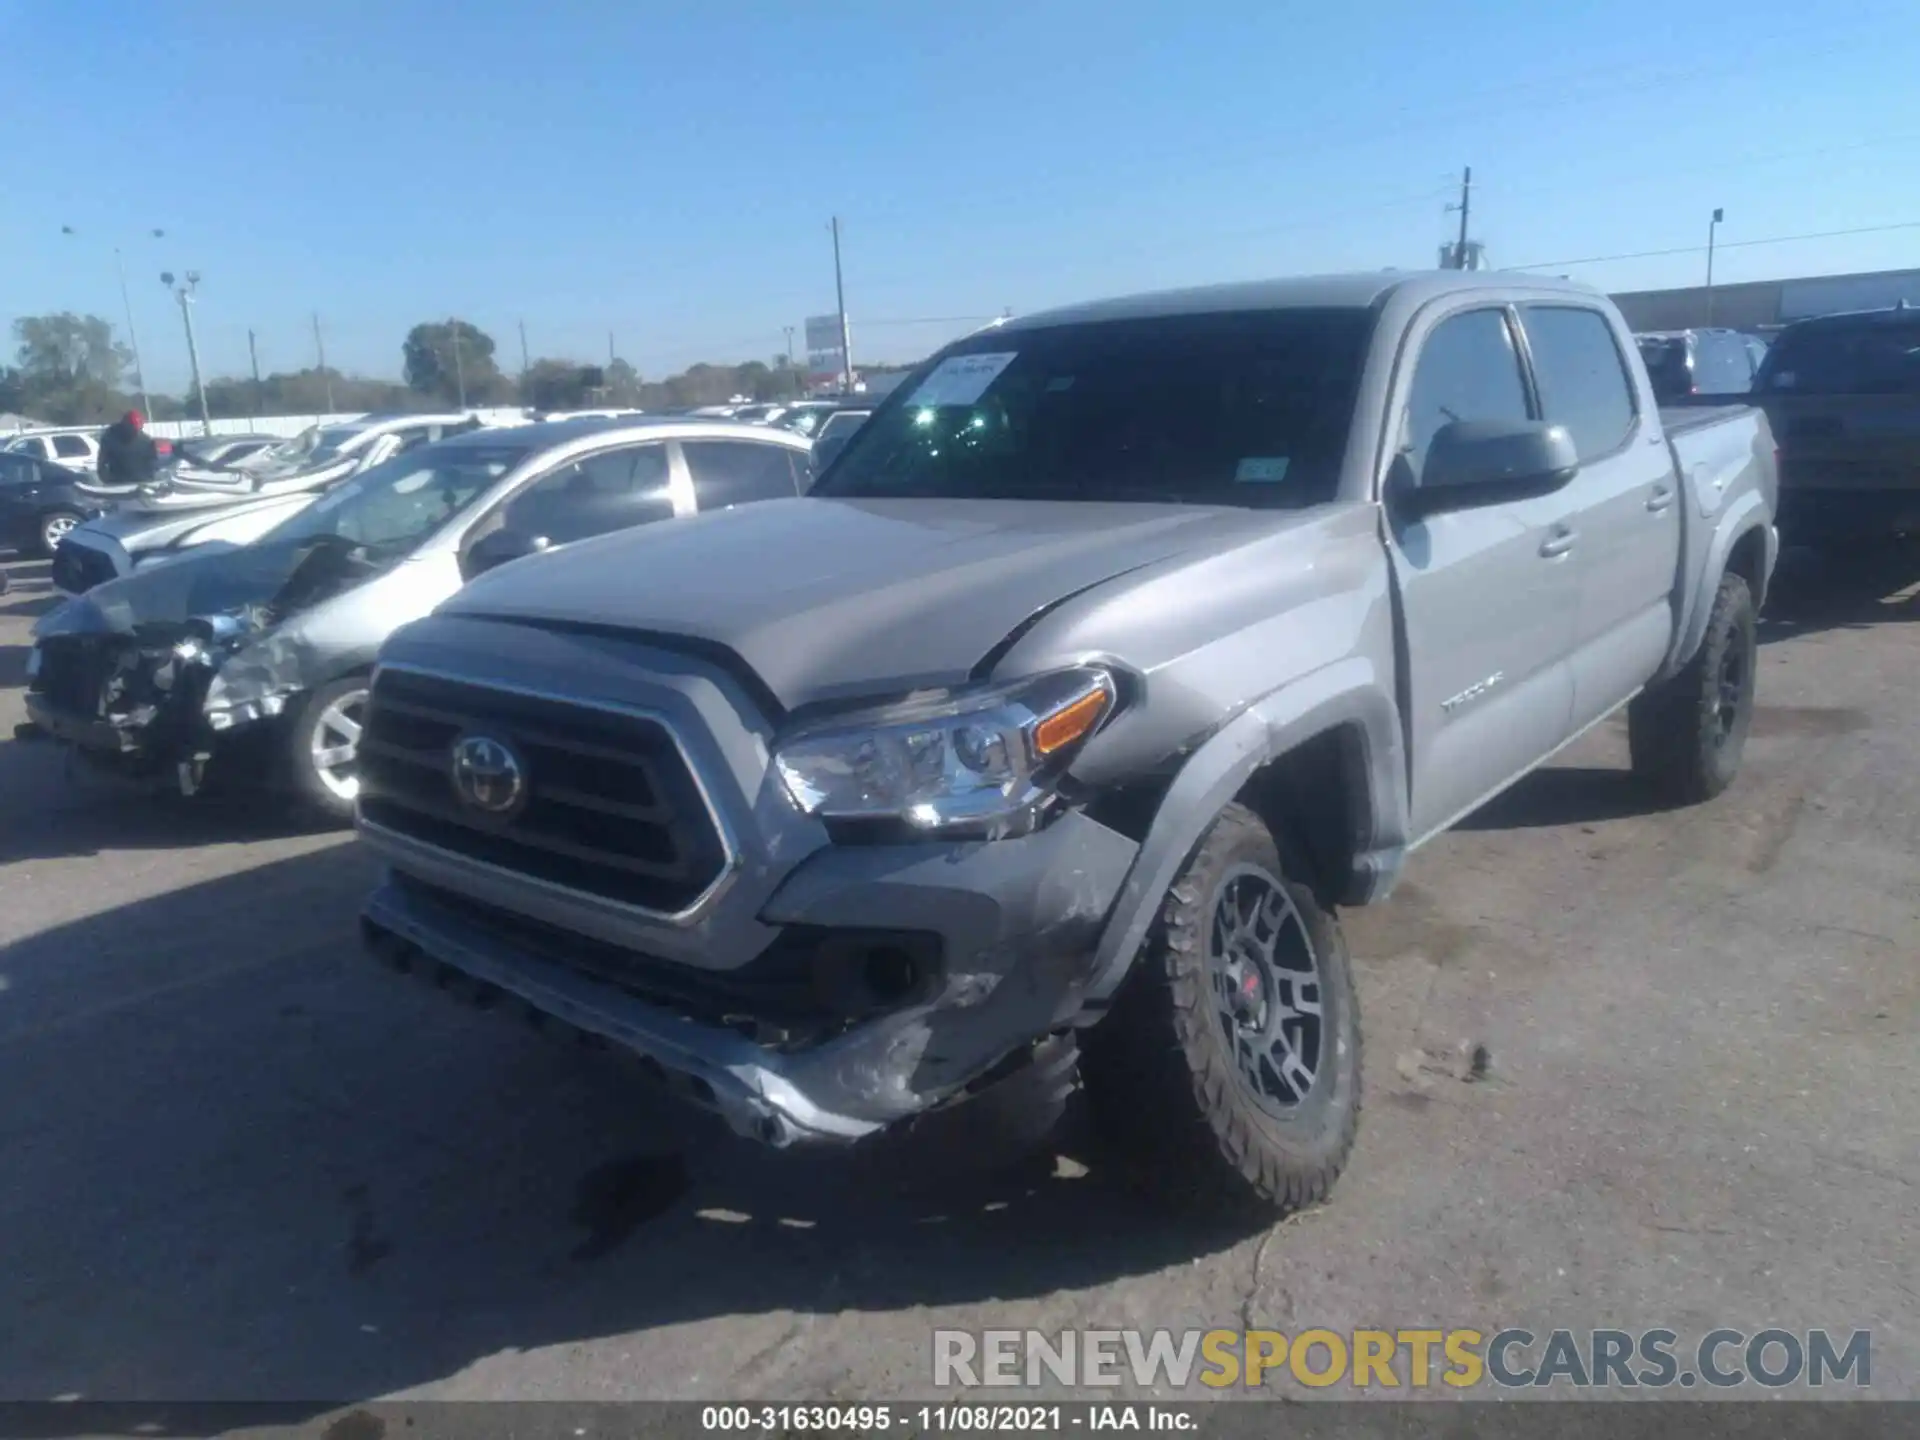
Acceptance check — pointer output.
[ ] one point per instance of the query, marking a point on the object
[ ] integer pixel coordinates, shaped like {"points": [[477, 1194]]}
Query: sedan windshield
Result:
{"points": [[1246, 408], [395, 506]]}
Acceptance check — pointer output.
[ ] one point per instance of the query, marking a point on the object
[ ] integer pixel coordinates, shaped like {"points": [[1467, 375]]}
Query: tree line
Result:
{"points": [[72, 370]]}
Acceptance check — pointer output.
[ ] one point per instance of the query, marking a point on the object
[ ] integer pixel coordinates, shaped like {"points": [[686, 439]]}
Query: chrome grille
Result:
{"points": [[611, 808]]}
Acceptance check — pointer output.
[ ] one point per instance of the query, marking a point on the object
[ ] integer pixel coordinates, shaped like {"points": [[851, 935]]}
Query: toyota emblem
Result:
{"points": [[487, 775]]}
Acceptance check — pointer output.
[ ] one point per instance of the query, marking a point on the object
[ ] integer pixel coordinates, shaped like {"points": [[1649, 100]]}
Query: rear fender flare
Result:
{"points": [[1349, 693], [1745, 515]]}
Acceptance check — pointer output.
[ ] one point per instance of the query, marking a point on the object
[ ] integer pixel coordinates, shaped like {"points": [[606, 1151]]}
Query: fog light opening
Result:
{"points": [[889, 973]]}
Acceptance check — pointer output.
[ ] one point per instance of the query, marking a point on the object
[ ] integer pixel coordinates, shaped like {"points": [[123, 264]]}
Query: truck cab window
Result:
{"points": [[1582, 378], [1468, 370]]}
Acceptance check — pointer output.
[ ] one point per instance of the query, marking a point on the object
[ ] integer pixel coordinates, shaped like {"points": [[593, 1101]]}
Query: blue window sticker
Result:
{"points": [[1261, 470]]}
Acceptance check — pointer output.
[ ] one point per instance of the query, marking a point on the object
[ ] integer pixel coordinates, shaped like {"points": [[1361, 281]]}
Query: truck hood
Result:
{"points": [[829, 599]]}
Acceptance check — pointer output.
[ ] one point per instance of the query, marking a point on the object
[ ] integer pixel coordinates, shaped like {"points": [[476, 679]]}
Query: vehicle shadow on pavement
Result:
{"points": [[258, 1166], [1566, 795], [30, 593], [13, 664], [1812, 593]]}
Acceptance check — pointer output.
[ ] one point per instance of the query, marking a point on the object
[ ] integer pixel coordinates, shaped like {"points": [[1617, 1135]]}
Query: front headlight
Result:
{"points": [[984, 762]]}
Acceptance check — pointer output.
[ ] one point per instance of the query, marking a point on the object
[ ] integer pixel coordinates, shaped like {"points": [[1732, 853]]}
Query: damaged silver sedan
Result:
{"points": [[249, 663]]}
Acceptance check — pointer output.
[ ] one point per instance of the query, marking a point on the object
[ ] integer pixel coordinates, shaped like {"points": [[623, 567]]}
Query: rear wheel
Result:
{"points": [[324, 747], [1687, 734], [55, 526], [1230, 1064]]}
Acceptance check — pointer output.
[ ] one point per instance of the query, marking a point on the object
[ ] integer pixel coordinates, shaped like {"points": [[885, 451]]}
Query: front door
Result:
{"points": [[1489, 594]]}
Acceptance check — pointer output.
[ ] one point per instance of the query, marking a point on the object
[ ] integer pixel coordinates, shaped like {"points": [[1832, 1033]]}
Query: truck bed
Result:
{"points": [[1679, 419]]}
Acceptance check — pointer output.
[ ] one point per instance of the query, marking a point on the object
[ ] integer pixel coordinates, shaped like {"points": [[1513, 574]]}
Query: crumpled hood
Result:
{"points": [[828, 598], [215, 581], [141, 530]]}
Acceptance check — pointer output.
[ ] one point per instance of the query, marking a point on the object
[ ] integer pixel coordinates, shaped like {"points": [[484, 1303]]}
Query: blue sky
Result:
{"points": [[666, 172]]}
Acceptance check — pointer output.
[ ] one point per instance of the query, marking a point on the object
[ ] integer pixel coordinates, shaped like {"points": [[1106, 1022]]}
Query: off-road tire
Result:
{"points": [[46, 541], [1159, 1073], [1675, 734], [309, 790]]}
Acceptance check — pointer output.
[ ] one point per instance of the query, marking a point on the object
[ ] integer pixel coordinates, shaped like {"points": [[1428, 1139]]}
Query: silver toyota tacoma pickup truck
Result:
{"points": [[1120, 647]]}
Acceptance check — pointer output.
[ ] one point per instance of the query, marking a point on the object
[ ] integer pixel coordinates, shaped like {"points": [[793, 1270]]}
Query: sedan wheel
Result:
{"points": [[334, 745], [55, 528]]}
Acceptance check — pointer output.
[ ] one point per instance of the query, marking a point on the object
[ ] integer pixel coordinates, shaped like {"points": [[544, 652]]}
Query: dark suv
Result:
{"points": [[1686, 363], [1843, 393]]}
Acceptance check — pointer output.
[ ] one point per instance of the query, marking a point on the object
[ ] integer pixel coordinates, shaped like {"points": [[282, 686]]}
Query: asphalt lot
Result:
{"points": [[241, 1162]]}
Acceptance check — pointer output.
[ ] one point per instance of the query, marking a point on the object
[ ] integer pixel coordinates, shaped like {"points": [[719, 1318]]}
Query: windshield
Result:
{"points": [[395, 506], [1666, 362], [1248, 408], [1874, 358]]}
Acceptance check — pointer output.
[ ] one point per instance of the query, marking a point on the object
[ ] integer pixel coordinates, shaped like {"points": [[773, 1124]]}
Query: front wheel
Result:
{"points": [[324, 747], [1686, 735], [55, 527], [1230, 1063]]}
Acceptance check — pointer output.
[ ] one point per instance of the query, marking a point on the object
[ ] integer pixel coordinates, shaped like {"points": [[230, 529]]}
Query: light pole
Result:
{"points": [[1712, 225], [183, 292], [126, 304], [792, 380]]}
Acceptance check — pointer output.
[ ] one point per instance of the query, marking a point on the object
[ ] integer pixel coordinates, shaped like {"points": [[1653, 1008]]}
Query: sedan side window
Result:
{"points": [[738, 472], [1468, 370], [69, 447], [609, 491]]}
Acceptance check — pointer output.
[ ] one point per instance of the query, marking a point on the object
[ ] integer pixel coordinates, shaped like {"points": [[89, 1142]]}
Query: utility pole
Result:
{"points": [[183, 292], [459, 366], [610, 356], [525, 365], [840, 299], [1465, 207], [325, 374], [1712, 225], [253, 358], [792, 377]]}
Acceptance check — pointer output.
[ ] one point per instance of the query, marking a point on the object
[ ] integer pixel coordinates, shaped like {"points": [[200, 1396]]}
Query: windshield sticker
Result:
{"points": [[961, 379], [1261, 470]]}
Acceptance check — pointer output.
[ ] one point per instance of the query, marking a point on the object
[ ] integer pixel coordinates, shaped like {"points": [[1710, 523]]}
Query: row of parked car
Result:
{"points": [[307, 554], [1044, 728]]}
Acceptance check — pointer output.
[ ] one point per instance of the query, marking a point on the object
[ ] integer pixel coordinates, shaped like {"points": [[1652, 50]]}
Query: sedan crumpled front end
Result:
{"points": [[142, 702]]}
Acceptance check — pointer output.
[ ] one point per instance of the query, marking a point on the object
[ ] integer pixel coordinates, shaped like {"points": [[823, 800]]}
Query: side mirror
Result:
{"points": [[490, 552], [1485, 462]]}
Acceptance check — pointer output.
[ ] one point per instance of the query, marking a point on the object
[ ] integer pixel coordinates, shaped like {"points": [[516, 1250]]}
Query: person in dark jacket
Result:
{"points": [[127, 453]]}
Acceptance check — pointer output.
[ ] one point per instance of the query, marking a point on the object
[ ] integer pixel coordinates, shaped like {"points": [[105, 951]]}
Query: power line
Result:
{"points": [[1723, 245]]}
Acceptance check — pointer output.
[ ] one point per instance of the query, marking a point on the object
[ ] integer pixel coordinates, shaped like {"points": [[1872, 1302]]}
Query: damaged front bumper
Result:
{"points": [[1010, 928], [144, 709]]}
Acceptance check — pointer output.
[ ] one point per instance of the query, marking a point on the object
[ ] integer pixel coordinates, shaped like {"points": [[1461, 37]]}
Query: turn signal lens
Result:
{"points": [[1071, 723]]}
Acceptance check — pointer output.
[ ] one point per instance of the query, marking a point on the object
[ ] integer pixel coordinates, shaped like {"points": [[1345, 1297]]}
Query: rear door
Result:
{"points": [[1489, 595], [1626, 520]]}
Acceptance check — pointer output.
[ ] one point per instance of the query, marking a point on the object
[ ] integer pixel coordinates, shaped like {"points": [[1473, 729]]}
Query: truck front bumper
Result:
{"points": [[1016, 923]]}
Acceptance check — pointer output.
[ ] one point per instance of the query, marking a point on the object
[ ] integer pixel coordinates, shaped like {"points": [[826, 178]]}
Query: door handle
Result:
{"points": [[1661, 498], [1558, 543]]}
